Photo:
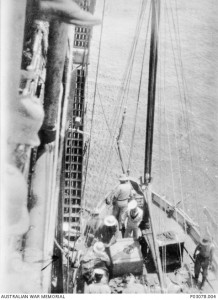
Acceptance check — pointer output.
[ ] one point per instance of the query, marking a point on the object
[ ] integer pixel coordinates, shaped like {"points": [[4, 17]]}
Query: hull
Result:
{"points": [[179, 275]]}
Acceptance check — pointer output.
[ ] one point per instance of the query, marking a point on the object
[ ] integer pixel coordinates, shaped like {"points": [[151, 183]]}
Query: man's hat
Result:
{"points": [[132, 204], [123, 177], [99, 271], [110, 221], [205, 240], [98, 247]]}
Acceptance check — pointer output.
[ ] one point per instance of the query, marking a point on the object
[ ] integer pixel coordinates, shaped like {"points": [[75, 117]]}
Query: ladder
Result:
{"points": [[73, 160]]}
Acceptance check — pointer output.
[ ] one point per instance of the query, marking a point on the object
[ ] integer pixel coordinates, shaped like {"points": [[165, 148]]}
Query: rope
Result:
{"points": [[172, 173], [107, 159], [159, 97], [105, 118], [106, 121], [179, 163], [185, 92], [177, 158], [126, 80], [185, 119], [161, 127], [59, 246], [94, 102], [179, 47], [138, 98], [161, 224], [121, 96], [168, 140], [161, 227], [127, 156]]}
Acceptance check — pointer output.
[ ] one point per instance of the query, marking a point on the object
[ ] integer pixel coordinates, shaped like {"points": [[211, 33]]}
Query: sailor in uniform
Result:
{"points": [[121, 199], [134, 217], [204, 257]]}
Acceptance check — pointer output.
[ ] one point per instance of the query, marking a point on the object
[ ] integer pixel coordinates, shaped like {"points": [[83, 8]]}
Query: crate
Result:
{"points": [[124, 261]]}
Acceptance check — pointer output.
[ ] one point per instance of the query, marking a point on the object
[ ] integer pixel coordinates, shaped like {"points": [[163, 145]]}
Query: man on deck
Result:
{"points": [[108, 231], [204, 258], [134, 217], [92, 226], [96, 257], [121, 198], [98, 286]]}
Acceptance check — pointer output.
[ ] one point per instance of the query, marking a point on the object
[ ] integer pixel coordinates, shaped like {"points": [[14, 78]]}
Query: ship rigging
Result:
{"points": [[51, 145]]}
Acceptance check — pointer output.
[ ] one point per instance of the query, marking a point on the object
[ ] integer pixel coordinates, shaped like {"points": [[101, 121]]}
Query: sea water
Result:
{"points": [[185, 149]]}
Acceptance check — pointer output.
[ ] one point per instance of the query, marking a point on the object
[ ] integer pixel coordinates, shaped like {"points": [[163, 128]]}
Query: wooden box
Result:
{"points": [[126, 257]]}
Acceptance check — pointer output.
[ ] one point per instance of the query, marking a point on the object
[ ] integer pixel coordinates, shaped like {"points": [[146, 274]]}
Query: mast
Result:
{"points": [[151, 88], [150, 130]]}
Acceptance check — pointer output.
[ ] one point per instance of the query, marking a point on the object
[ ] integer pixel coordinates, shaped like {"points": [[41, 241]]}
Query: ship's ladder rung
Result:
{"points": [[73, 187], [70, 181], [73, 224], [75, 154], [76, 163], [73, 206], [73, 172], [74, 195], [72, 215]]}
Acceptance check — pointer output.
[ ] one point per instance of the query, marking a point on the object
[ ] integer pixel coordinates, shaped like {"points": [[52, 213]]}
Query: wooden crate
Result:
{"points": [[124, 261]]}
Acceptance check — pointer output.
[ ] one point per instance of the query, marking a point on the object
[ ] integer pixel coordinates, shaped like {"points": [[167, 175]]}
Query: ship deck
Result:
{"points": [[162, 223]]}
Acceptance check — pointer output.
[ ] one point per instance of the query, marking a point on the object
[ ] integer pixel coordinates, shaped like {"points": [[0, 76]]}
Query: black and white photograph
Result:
{"points": [[109, 148]]}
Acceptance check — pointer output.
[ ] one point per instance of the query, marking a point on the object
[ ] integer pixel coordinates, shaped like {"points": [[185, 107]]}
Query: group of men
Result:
{"points": [[95, 269], [96, 264], [125, 208], [103, 233], [126, 217]]}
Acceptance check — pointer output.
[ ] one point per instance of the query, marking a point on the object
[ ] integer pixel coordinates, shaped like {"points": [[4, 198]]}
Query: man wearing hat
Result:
{"points": [[102, 259], [134, 217], [108, 231], [91, 227], [133, 286], [204, 258], [121, 198], [96, 257], [98, 286]]}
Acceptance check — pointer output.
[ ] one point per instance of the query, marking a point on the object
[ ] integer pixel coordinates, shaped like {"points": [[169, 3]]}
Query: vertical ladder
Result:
{"points": [[73, 162]]}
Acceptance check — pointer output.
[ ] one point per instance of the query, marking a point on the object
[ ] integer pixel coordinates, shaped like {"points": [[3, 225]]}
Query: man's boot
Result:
{"points": [[195, 279], [202, 283], [123, 229]]}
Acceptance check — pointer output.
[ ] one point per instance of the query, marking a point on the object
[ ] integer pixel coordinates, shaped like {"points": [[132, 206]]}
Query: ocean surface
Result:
{"points": [[185, 150]]}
